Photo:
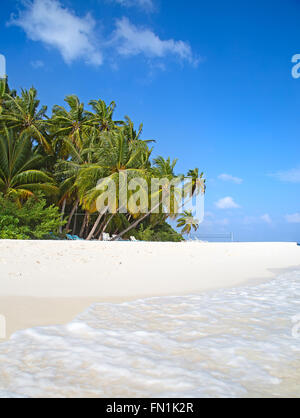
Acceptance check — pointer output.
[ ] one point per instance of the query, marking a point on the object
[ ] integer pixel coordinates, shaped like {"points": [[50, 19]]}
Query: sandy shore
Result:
{"points": [[50, 282]]}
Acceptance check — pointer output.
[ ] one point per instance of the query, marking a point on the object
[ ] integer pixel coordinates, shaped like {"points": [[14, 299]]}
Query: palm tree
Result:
{"points": [[194, 185], [102, 118], [4, 92], [132, 134], [80, 148], [21, 174], [115, 157], [197, 182], [68, 171], [188, 222], [136, 223], [163, 169], [73, 124], [23, 115]]}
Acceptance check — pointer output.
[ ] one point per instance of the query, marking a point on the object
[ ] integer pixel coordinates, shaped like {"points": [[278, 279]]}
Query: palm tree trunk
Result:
{"points": [[108, 222], [86, 229], [105, 226], [101, 229], [75, 223], [154, 224], [72, 214], [91, 234], [135, 223], [83, 224], [62, 215]]}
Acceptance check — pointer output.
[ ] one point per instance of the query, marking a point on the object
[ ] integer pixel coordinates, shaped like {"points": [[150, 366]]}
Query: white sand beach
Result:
{"points": [[50, 282], [139, 320]]}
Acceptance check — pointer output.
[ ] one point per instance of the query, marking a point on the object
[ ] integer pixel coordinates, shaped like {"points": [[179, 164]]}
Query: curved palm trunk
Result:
{"points": [[83, 224], [105, 226], [72, 214], [101, 229], [135, 223], [107, 223], [75, 223], [62, 215], [91, 234]]}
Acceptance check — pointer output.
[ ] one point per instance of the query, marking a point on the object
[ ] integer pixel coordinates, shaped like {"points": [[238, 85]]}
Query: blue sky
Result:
{"points": [[211, 81]]}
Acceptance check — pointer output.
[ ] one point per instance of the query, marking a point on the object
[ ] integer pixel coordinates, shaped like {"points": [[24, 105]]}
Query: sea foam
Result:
{"points": [[230, 343]]}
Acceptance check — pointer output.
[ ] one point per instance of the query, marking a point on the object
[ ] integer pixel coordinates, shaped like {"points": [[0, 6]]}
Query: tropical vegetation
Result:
{"points": [[35, 219], [51, 164]]}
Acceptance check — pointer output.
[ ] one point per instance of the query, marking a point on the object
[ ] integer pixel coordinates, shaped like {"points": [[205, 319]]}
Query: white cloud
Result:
{"points": [[55, 26], [211, 220], [290, 176], [248, 220], [266, 218], [132, 40], [209, 214], [49, 22], [37, 64], [229, 177], [144, 4], [223, 222], [227, 203], [293, 219]]}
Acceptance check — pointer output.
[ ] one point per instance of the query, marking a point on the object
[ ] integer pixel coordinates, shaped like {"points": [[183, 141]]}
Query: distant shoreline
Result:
{"points": [[50, 282]]}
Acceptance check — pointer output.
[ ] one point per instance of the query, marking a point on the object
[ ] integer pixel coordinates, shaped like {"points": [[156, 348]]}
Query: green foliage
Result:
{"points": [[10, 229], [159, 233], [65, 156], [21, 168], [24, 115], [187, 222], [33, 220]]}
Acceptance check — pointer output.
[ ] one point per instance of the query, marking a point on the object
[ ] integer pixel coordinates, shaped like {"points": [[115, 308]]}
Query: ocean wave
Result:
{"points": [[230, 343]]}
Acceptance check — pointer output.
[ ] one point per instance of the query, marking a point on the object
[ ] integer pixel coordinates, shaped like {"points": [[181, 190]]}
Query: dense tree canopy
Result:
{"points": [[58, 161]]}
